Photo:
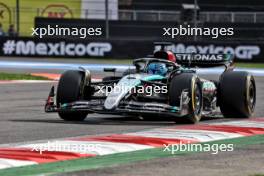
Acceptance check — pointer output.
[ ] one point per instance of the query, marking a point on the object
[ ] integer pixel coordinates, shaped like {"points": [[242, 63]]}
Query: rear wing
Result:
{"points": [[204, 60]]}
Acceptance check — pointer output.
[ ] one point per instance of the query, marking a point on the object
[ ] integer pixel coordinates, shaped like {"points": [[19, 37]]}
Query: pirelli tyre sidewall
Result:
{"points": [[191, 83], [237, 94], [70, 90]]}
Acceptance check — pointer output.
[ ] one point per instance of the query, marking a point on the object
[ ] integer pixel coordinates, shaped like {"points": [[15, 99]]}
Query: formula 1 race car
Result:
{"points": [[158, 87]]}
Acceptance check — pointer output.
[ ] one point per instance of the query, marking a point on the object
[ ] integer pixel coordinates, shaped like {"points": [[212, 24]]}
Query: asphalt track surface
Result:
{"points": [[22, 119]]}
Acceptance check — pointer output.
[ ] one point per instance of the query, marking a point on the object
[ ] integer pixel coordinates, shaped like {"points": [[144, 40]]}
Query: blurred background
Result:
{"points": [[131, 26]]}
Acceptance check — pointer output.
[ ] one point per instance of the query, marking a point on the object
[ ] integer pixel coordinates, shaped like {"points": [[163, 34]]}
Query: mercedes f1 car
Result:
{"points": [[158, 87]]}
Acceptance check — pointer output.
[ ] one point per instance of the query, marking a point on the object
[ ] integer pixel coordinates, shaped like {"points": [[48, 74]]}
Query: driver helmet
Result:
{"points": [[157, 69]]}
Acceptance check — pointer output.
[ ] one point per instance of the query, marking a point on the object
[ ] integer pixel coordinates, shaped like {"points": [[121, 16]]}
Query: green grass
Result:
{"points": [[250, 65], [13, 76]]}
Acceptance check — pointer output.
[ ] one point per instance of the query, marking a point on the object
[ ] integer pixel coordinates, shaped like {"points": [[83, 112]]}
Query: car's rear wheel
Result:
{"points": [[69, 90], [190, 83], [237, 94]]}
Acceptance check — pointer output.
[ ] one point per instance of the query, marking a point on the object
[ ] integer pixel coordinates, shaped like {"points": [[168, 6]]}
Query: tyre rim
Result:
{"points": [[197, 100], [251, 96]]}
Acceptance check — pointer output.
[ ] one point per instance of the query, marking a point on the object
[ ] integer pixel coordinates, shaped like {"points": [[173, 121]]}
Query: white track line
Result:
{"points": [[7, 163], [198, 135]]}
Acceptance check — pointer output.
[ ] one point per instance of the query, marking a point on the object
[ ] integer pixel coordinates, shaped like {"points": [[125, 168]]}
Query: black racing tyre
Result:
{"points": [[237, 94], [191, 83], [69, 90]]}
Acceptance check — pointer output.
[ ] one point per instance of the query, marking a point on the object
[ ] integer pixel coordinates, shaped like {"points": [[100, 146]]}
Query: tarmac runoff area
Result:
{"points": [[23, 123]]}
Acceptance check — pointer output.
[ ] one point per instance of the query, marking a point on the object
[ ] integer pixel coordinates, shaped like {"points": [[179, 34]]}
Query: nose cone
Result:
{"points": [[110, 103], [119, 91]]}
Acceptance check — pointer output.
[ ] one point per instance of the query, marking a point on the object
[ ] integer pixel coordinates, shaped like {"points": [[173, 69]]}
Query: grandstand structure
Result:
{"points": [[144, 19], [129, 27], [246, 17], [235, 11]]}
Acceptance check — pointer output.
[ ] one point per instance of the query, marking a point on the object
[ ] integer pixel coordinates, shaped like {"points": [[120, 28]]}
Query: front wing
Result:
{"points": [[124, 107]]}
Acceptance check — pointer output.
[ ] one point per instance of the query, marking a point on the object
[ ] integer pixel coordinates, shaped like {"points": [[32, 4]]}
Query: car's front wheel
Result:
{"points": [[69, 90], [188, 82]]}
